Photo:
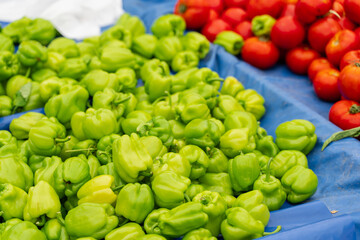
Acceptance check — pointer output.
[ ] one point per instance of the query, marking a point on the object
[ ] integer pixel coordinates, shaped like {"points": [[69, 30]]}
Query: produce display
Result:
{"points": [[180, 153], [319, 38]]}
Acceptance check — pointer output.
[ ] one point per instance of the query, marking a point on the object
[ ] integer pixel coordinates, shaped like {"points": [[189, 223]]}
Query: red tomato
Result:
{"points": [[234, 16], [318, 65], [357, 32], [338, 8], [260, 52], [339, 44], [351, 57], [321, 31], [236, 3], [300, 58], [325, 85], [213, 15], [288, 10], [345, 114], [346, 23], [349, 82], [213, 28], [287, 33], [244, 29], [352, 10], [260, 7], [308, 10]]}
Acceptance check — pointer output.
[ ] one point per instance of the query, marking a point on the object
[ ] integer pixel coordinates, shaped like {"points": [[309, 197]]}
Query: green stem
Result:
{"points": [[145, 174], [114, 189], [62, 140], [80, 150], [267, 179], [187, 198], [41, 222], [169, 97], [354, 109], [60, 218], [117, 102], [278, 228], [28, 71]]}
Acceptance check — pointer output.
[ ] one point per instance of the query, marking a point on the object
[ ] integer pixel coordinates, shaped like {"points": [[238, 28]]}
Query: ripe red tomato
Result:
{"points": [[260, 52], [318, 65], [351, 57], [339, 8], [236, 3], [349, 82], [308, 10], [287, 33], [352, 10], [345, 114], [339, 44], [325, 85], [212, 15], [260, 7], [288, 10], [321, 31], [346, 23], [234, 16], [213, 28], [300, 58], [244, 29]]}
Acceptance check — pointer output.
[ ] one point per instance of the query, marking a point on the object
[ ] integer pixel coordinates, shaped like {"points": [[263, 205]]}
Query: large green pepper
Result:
{"points": [[154, 68], [252, 102], [116, 32], [298, 134], [241, 119], [231, 41], [285, 160], [204, 132], [231, 86], [218, 162], [300, 183], [158, 126], [243, 171], [55, 231], [198, 159], [168, 25], [176, 222], [47, 169], [154, 146], [6, 106], [262, 25], [31, 52], [54, 61], [144, 45], [169, 189], [253, 202], [133, 120], [164, 108], [46, 137], [235, 141], [173, 162], [131, 159], [177, 128], [184, 60], [93, 124], [199, 234], [74, 68], [16, 29], [167, 48], [14, 171], [217, 182], [65, 46], [6, 43], [91, 220], [214, 206], [40, 30], [113, 58], [42, 200], [126, 232], [70, 100], [271, 188], [9, 65], [127, 78], [204, 75], [12, 201], [21, 126], [134, 202], [97, 80], [265, 144], [226, 104], [191, 106], [132, 23], [51, 86], [24, 230], [157, 86], [196, 42]]}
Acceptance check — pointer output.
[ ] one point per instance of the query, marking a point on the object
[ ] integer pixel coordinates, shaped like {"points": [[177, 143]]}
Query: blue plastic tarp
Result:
{"points": [[289, 97]]}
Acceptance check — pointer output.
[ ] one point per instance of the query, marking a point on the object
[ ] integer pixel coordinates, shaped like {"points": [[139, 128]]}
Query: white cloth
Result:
{"points": [[76, 19]]}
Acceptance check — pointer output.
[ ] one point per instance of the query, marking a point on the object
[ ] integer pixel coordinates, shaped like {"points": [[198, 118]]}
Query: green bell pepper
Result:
{"points": [[12, 201], [177, 128], [217, 182], [229, 199], [234, 141], [265, 144], [191, 106], [218, 162], [243, 171], [197, 158], [214, 206], [173, 162], [97, 80], [117, 32], [298, 134], [113, 58], [131, 159], [104, 148], [109, 169], [158, 126], [6, 43], [168, 25], [21, 126], [24, 230], [164, 108], [16, 29], [46, 170], [31, 52], [6, 106], [241, 119], [9, 65], [144, 45], [225, 105], [93, 163], [199, 234], [154, 68], [145, 106], [127, 78], [51, 87], [177, 221], [169, 189], [184, 60], [204, 75], [285, 160], [15, 83], [86, 147], [54, 230], [65, 46], [54, 61], [74, 68], [231, 41], [152, 237], [134, 202], [231, 86], [40, 30], [16, 172], [42, 201], [87, 49], [262, 25], [126, 232], [43, 74], [158, 86], [252, 102], [91, 220], [133, 120], [179, 80], [196, 42], [154, 146], [167, 47], [132, 23], [271, 188], [194, 189], [300, 183]]}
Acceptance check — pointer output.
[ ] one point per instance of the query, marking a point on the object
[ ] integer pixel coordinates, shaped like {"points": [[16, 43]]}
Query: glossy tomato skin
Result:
{"points": [[352, 10], [318, 65], [349, 82], [287, 33], [234, 16], [351, 57], [300, 58], [321, 31], [213, 28], [341, 43], [325, 85], [236, 3], [346, 23], [342, 115], [244, 29], [307, 11], [288, 10], [260, 53], [260, 7], [339, 8]]}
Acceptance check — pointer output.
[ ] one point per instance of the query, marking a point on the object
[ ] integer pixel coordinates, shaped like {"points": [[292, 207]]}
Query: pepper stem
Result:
{"points": [[169, 97], [28, 71], [62, 140], [267, 179], [187, 198], [80, 150], [117, 102], [334, 13], [278, 228], [145, 174], [114, 189], [41, 222]]}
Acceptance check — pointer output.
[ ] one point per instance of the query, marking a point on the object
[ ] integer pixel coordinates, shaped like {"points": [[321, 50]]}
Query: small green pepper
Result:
{"points": [[217, 182], [54, 230], [6, 43], [126, 232], [23, 230], [196, 42], [198, 159], [97, 80], [31, 52], [133, 23], [154, 68], [113, 58], [199, 234], [231, 41], [12, 201], [167, 47], [262, 25], [173, 162], [6, 106], [117, 32], [133, 120], [184, 60], [226, 104], [16, 29], [144, 45], [285, 160], [192, 106], [158, 126], [231, 86], [74, 68], [168, 25], [218, 162], [65, 46], [234, 141], [252, 102], [47, 169], [241, 119], [40, 30], [9, 65], [154, 146]]}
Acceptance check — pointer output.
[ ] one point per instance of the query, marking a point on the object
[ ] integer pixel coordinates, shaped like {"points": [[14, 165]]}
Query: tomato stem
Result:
{"points": [[182, 8], [354, 109]]}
